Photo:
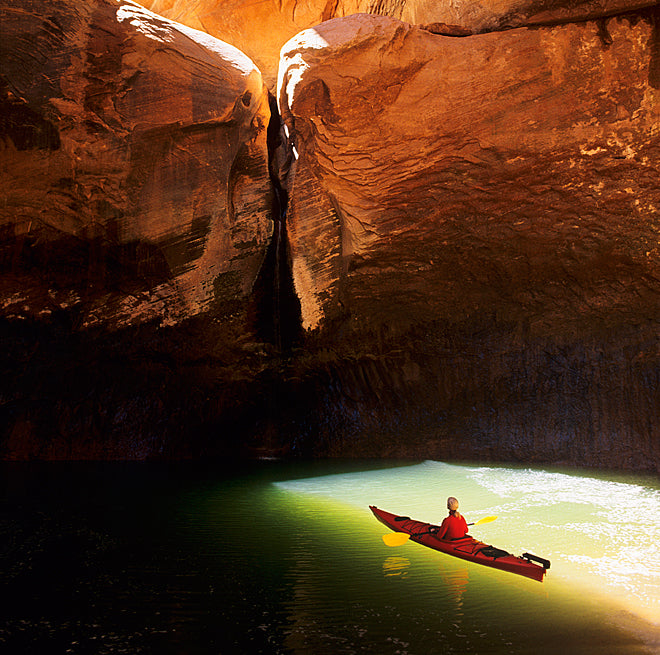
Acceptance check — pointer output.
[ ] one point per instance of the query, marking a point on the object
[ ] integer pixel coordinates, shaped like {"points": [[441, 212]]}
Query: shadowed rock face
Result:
{"points": [[260, 29], [134, 166]]}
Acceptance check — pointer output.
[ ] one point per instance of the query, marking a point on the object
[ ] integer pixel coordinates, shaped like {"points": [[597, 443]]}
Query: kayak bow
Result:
{"points": [[468, 548]]}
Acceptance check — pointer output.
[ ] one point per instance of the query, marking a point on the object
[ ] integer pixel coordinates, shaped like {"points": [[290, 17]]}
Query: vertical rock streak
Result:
{"points": [[278, 312]]}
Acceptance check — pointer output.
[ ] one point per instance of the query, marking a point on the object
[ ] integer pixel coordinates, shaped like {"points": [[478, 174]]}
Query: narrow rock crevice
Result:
{"points": [[277, 307]]}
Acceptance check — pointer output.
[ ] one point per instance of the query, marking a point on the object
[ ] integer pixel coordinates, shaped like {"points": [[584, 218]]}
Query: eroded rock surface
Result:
{"points": [[257, 28], [134, 166], [493, 15], [497, 168], [473, 225], [485, 200], [260, 29]]}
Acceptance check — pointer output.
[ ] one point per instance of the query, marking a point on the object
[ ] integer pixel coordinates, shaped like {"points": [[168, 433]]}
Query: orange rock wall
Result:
{"points": [[474, 222], [133, 162], [472, 225], [260, 29], [487, 173]]}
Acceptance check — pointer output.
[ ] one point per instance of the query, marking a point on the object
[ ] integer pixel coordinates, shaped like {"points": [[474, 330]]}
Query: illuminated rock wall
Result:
{"points": [[260, 29], [134, 165], [482, 174], [487, 205], [472, 231]]}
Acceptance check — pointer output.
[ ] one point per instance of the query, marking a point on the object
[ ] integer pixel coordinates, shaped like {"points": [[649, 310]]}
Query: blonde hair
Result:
{"points": [[452, 506]]}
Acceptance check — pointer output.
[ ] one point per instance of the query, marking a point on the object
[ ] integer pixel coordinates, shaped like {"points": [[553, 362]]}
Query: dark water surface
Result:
{"points": [[286, 558]]}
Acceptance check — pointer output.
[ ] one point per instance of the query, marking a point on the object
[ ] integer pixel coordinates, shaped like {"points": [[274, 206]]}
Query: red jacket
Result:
{"points": [[452, 527]]}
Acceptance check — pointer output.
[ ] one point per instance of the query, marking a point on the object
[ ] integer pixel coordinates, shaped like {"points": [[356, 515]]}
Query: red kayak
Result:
{"points": [[466, 548]]}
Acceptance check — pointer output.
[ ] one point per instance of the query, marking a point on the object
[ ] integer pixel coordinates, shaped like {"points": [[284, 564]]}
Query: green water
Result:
{"points": [[287, 558]]}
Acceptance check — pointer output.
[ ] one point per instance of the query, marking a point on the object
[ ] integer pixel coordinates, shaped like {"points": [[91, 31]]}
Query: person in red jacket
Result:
{"points": [[454, 526]]}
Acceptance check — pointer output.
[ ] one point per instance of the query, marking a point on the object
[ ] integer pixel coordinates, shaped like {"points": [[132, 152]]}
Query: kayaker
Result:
{"points": [[455, 525]]}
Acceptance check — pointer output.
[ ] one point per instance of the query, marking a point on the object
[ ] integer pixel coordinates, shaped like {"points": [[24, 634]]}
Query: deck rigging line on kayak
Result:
{"points": [[491, 551]]}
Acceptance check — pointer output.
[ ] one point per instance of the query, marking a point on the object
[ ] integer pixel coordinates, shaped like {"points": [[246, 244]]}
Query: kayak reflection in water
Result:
{"points": [[454, 526]]}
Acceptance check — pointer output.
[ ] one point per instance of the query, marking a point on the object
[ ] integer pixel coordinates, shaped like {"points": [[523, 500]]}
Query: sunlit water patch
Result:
{"points": [[602, 536], [601, 533]]}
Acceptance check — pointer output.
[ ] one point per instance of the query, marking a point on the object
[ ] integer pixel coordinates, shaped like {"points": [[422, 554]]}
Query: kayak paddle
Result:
{"points": [[485, 519], [400, 538]]}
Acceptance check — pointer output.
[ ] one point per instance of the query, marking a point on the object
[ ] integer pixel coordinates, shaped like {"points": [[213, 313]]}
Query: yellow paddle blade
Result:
{"points": [[396, 538], [486, 519]]}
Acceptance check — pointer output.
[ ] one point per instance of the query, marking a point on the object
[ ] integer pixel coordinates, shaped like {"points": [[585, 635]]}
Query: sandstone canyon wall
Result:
{"points": [[471, 205], [135, 192], [486, 172], [490, 204], [260, 29], [138, 146]]}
